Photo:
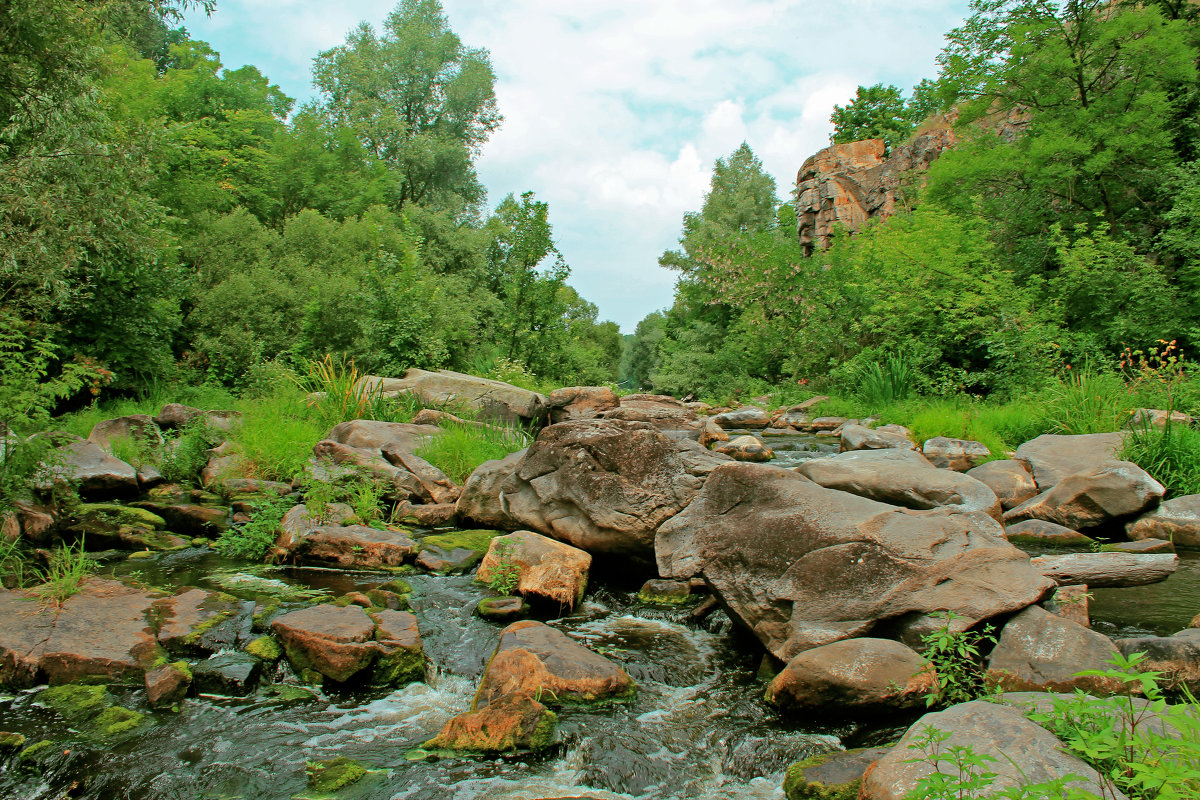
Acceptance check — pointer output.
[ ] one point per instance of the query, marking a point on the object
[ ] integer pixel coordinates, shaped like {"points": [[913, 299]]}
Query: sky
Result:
{"points": [[616, 110]]}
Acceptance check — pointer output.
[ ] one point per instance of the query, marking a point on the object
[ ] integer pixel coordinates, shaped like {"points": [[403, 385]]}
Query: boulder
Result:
{"points": [[711, 433], [1046, 534], [604, 485], [375, 435], [93, 471], [227, 674], [666, 593], [345, 642], [502, 609], [545, 569], [176, 415], [902, 478], [744, 417], [168, 684], [298, 523], [835, 775], [1088, 499], [1009, 479], [1158, 418], [352, 546], [138, 427], [482, 501], [1052, 457], [223, 464], [803, 566], [190, 519], [1070, 603], [1107, 570], [960, 455], [745, 448], [397, 482], [580, 402], [1021, 753], [1177, 521], [858, 437], [1140, 546], [433, 515], [511, 722], [855, 675], [1042, 652], [659, 410], [1176, 657], [197, 621], [457, 551], [827, 424], [494, 400], [436, 487], [544, 662]]}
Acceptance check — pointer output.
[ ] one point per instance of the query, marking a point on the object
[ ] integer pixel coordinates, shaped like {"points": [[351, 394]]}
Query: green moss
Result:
{"points": [[266, 648], [396, 585], [399, 667], [665, 598], [544, 736], [111, 516], [116, 720], [797, 787], [467, 540], [11, 741], [142, 554], [383, 599], [260, 618], [75, 701], [327, 777], [286, 693], [35, 753]]}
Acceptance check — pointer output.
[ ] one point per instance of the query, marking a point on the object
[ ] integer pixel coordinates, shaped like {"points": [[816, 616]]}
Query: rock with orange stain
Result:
{"points": [[515, 721], [546, 569]]}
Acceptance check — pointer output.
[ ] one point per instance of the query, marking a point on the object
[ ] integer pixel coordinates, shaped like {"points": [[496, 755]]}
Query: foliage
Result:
{"points": [[505, 574], [253, 540], [461, 448], [876, 112], [336, 392], [885, 382], [1087, 401], [954, 655], [69, 566], [1171, 455], [184, 459], [276, 437]]}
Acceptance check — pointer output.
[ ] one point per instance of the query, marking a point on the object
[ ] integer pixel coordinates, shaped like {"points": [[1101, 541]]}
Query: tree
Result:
{"points": [[876, 112], [420, 102]]}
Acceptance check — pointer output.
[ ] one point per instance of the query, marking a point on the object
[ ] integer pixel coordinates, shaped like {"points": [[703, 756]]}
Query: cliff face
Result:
{"points": [[848, 184]]}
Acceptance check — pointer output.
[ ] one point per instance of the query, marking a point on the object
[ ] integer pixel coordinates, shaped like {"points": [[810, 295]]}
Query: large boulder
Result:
{"points": [[1107, 570], [1087, 499], [860, 437], [660, 410], [492, 399], [744, 417], [543, 568], [341, 643], [604, 485], [1040, 651], [375, 435], [352, 546], [1177, 521], [580, 402], [137, 427], [482, 500], [1052, 457], [745, 448], [533, 658], [802, 566], [1021, 753], [1176, 658], [902, 478], [1009, 479], [93, 471], [960, 455], [856, 675], [398, 483]]}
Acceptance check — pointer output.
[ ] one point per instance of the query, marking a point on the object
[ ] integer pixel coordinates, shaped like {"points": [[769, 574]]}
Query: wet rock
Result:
{"points": [[1140, 546], [1046, 534], [224, 463], [326, 778], [858, 437], [102, 632], [229, 674], [493, 400], [90, 710], [580, 402], [1052, 457], [401, 657], [604, 485], [483, 501], [902, 478], [544, 662], [745, 448], [197, 621], [802, 566], [1177, 521], [1107, 570], [454, 552], [511, 722], [661, 411], [666, 593], [1088, 499], [830, 776], [168, 685], [1009, 479], [827, 424], [1022, 753], [433, 515], [189, 519], [265, 648], [1070, 603], [711, 433], [10, 741], [382, 598], [344, 642], [136, 426], [502, 609], [744, 417], [856, 675], [1039, 651], [93, 471], [960, 455], [353, 546], [1176, 657], [545, 569]]}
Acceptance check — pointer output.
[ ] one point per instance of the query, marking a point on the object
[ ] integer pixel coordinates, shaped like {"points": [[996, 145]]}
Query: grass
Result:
{"points": [[462, 448], [276, 436], [1088, 402], [1170, 455], [63, 578]]}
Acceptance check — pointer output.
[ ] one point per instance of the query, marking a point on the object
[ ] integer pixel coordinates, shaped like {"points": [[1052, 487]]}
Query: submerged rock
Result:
{"points": [[666, 593], [830, 776], [511, 722]]}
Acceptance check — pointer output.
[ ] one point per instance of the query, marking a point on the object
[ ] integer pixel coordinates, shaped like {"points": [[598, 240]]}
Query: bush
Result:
{"points": [[184, 461], [252, 540], [881, 383]]}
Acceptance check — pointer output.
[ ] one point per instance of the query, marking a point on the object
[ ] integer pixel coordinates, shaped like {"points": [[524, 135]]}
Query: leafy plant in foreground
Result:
{"points": [[506, 575], [252, 540], [954, 654]]}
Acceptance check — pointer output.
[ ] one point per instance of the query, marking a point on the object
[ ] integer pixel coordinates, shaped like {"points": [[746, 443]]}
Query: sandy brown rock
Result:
{"points": [[745, 448], [482, 501], [1043, 652], [1177, 521], [168, 684], [511, 722], [188, 621], [1087, 499], [546, 569], [1046, 534], [580, 402], [1107, 570], [357, 546], [661, 411], [134, 426], [1070, 603], [1052, 457], [854, 675], [744, 417], [432, 515], [436, 486], [344, 642], [1009, 479], [711, 433], [859, 437], [960, 455]]}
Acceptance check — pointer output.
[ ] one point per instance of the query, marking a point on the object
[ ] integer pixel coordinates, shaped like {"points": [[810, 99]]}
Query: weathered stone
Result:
{"points": [[544, 662], [1070, 603], [375, 435], [298, 523], [827, 424], [1177, 521], [344, 642], [483, 501], [509, 723], [857, 675], [229, 674], [1176, 657], [494, 400], [93, 471], [454, 552], [1039, 651], [176, 415], [223, 464], [711, 433], [1009, 479], [1052, 457], [744, 417], [353, 546], [858, 437], [502, 609], [190, 519], [580, 402], [1046, 534], [546, 569], [604, 485], [401, 654], [433, 515], [745, 448], [192, 621], [1140, 546], [666, 593], [433, 416], [1021, 753], [135, 426], [1107, 570], [803, 566], [960, 455], [436, 485], [659, 410], [830, 776], [1088, 499], [903, 478], [398, 483]]}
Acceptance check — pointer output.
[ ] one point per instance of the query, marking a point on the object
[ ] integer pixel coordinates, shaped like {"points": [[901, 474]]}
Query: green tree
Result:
{"points": [[641, 354], [876, 112]]}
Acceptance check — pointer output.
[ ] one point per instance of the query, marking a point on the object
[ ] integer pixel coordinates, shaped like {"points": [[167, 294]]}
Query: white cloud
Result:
{"points": [[615, 110]]}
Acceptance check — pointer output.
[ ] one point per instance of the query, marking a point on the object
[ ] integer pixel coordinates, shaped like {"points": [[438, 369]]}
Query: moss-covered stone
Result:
{"points": [[397, 585], [36, 753], [75, 701], [109, 517], [454, 552], [830, 776], [286, 693], [400, 667], [266, 648], [328, 777], [116, 720], [666, 593], [137, 555], [11, 741], [502, 609]]}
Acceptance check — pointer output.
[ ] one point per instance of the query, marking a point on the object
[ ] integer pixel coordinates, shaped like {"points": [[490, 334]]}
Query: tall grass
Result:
{"points": [[461, 448], [1000, 427], [1170, 455], [1088, 401], [891, 381], [277, 434], [337, 392]]}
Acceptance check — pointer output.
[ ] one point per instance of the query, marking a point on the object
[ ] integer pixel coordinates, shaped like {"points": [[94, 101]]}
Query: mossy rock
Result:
{"points": [[286, 693], [36, 754], [468, 540], [11, 741], [396, 585], [329, 777], [110, 517], [266, 648], [400, 667], [830, 776], [460, 551], [75, 701], [116, 720], [666, 593]]}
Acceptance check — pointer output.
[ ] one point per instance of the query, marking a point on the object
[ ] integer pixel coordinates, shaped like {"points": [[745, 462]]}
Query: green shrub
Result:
{"points": [[886, 382], [184, 461], [64, 575], [960, 675], [252, 540], [1088, 401]]}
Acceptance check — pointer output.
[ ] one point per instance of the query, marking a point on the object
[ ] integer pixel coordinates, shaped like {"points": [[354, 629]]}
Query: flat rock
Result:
{"points": [[1177, 521], [960, 455], [1089, 499], [661, 411], [580, 402], [1107, 570], [1046, 534], [803, 566], [1141, 546], [458, 551], [494, 400], [353, 546], [544, 662], [546, 569], [1052, 457], [191, 621], [93, 471], [744, 417], [855, 675], [901, 478], [859, 437], [1009, 479], [344, 642], [228, 674], [1039, 651]]}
